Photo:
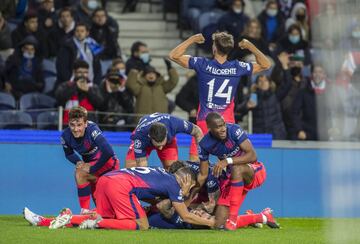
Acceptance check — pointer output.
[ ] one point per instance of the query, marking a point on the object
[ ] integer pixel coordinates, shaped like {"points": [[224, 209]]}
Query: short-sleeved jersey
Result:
{"points": [[173, 125], [151, 183], [218, 84], [84, 146], [230, 147], [212, 183]]}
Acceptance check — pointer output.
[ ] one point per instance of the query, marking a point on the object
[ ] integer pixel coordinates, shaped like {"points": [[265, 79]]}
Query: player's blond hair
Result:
{"points": [[224, 42], [78, 112]]}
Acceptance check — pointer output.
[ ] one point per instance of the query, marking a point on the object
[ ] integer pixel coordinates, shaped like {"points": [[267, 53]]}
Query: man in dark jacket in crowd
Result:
{"points": [[117, 99], [47, 16], [140, 57], [23, 72], [82, 47], [79, 91], [312, 107], [30, 26], [104, 34], [5, 34], [188, 98], [63, 30]]}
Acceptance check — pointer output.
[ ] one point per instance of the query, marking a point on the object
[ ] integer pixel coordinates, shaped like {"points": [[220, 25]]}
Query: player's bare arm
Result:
{"points": [[197, 133], [178, 53], [203, 174], [165, 208], [141, 162], [248, 156], [262, 62], [191, 218]]}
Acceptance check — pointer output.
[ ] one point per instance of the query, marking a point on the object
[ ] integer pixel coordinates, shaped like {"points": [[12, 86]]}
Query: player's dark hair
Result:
{"points": [[158, 132], [136, 46], [182, 172], [224, 42], [80, 64], [212, 116], [175, 166], [78, 113]]}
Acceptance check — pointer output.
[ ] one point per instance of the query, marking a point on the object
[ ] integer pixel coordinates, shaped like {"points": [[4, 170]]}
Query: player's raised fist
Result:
{"points": [[198, 38], [245, 44]]}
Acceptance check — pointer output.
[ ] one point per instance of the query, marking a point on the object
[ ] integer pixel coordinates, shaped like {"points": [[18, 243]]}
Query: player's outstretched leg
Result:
{"points": [[270, 220], [256, 225], [35, 219], [62, 219]]}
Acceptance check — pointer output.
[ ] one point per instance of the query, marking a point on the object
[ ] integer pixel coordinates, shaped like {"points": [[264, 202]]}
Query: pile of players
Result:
{"points": [[181, 194]]}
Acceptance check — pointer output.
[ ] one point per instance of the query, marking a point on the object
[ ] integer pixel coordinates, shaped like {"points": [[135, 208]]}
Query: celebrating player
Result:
{"points": [[118, 194], [97, 156], [218, 78], [243, 172], [158, 131]]}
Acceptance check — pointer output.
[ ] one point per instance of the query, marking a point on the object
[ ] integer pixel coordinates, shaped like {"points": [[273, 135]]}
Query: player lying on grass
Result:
{"points": [[237, 157], [203, 205], [158, 131], [84, 138], [118, 194]]}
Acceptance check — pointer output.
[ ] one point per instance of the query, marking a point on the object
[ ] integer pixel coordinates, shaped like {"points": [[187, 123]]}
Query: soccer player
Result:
{"points": [[158, 131], [118, 194], [218, 78], [84, 138], [238, 159]]}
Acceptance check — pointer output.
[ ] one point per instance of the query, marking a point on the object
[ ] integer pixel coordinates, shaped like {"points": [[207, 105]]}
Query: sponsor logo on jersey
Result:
{"points": [[91, 151]]}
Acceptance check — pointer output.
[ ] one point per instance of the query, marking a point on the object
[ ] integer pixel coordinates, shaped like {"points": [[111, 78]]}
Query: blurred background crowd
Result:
{"points": [[68, 52]]}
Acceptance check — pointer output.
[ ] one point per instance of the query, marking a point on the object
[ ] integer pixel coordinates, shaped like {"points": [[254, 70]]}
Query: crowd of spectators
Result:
{"points": [[69, 50]]}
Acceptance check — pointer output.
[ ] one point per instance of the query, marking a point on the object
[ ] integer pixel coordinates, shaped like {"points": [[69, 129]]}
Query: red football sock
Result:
{"points": [[236, 198], [245, 220], [45, 222], [84, 192], [78, 219], [118, 224]]}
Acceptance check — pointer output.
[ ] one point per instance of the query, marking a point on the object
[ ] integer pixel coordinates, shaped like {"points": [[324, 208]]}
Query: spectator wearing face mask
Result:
{"points": [[23, 71], [105, 35], [150, 89], [63, 30], [299, 16], [80, 46], [117, 100], [294, 44], [272, 23], [235, 20], [79, 91], [84, 13], [140, 57]]}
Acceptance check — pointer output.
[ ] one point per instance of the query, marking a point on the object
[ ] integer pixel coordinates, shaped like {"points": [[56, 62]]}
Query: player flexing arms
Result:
{"points": [[97, 156], [158, 131], [243, 172], [218, 78]]}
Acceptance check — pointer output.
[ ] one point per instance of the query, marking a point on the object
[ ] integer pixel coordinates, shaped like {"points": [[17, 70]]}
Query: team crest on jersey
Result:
{"points": [[211, 184], [95, 134], [195, 59], [137, 144], [239, 133], [244, 65]]}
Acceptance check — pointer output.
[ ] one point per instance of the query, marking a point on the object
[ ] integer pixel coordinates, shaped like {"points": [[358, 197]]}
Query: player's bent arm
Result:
{"points": [[191, 218], [262, 62], [178, 53], [249, 155], [71, 155], [106, 153], [203, 173], [165, 208], [141, 162], [197, 133]]}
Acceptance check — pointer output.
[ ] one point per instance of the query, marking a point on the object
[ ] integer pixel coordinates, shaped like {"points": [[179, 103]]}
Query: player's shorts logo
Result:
{"points": [[137, 143]]}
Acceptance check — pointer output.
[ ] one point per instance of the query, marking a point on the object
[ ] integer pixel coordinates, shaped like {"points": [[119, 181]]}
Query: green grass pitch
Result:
{"points": [[14, 229]]}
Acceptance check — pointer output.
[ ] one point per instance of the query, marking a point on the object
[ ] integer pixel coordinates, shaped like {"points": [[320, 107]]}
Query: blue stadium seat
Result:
{"points": [[36, 101], [7, 101], [49, 83], [15, 120], [47, 120], [49, 67], [105, 65]]}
